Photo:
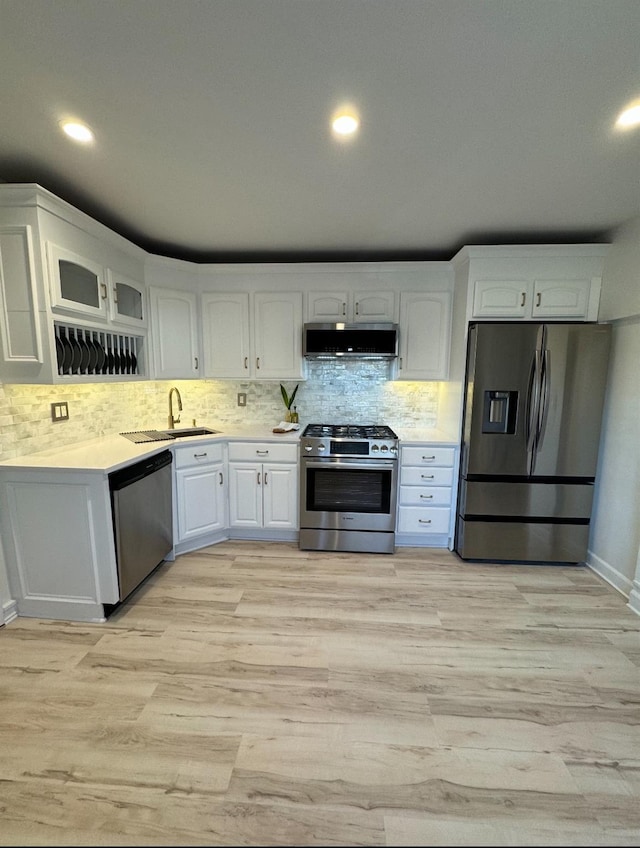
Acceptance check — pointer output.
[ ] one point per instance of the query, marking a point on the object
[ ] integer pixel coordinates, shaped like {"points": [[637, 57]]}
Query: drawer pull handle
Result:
{"points": [[424, 521], [262, 452], [428, 458], [199, 455], [426, 497], [427, 476]]}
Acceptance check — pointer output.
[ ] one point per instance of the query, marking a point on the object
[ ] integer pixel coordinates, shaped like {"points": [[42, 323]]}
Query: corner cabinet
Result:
{"points": [[255, 336], [174, 334], [263, 491], [425, 336]]}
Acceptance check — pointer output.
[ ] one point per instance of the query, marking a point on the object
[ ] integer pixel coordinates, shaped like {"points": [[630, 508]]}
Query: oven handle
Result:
{"points": [[330, 462]]}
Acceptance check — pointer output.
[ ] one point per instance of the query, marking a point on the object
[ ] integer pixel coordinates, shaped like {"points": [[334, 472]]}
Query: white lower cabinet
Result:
{"points": [[263, 490], [201, 496], [425, 498], [58, 542]]}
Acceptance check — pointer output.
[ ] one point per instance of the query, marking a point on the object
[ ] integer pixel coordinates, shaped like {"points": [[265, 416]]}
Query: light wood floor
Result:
{"points": [[254, 694]]}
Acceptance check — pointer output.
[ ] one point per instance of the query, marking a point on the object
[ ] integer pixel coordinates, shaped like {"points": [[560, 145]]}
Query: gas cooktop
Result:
{"points": [[349, 431], [359, 440]]}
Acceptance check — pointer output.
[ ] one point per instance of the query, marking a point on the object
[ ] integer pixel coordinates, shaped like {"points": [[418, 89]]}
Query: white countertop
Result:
{"points": [[105, 454], [432, 435], [109, 453]]}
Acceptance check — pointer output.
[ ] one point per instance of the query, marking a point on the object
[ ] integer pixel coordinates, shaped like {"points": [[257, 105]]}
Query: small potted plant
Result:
{"points": [[288, 402]]}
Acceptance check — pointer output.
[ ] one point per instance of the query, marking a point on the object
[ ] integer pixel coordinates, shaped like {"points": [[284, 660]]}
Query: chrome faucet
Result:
{"points": [[173, 420]]}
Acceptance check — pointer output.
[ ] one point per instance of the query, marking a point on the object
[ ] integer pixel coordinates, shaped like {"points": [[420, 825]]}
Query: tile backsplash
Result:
{"points": [[333, 392]]}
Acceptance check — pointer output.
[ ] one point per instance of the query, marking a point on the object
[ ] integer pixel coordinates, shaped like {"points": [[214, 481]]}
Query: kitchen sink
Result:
{"points": [[180, 432]]}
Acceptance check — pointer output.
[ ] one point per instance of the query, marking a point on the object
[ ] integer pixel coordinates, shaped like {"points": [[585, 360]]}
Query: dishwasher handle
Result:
{"points": [[137, 470]]}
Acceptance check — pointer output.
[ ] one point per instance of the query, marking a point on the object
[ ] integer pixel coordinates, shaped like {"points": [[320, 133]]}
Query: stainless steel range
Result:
{"points": [[348, 488]]}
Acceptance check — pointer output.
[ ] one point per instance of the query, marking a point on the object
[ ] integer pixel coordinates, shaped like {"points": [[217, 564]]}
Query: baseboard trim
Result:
{"points": [[614, 578]]}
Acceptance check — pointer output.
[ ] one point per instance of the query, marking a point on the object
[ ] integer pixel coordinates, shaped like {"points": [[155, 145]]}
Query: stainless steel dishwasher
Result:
{"points": [[141, 504]]}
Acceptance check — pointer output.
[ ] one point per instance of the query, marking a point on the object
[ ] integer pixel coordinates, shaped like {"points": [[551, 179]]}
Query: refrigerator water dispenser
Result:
{"points": [[499, 413]]}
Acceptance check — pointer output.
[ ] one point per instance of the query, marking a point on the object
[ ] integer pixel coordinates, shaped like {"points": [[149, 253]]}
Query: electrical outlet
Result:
{"points": [[242, 398], [60, 411]]}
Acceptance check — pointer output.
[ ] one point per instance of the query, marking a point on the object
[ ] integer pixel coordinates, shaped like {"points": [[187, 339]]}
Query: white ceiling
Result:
{"points": [[483, 121]]}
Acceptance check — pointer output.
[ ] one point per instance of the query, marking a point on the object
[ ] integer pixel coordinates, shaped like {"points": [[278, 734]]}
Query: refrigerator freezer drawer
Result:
{"points": [[526, 500], [515, 541]]}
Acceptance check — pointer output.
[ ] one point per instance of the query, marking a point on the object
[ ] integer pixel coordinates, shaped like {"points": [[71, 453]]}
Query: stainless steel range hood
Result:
{"points": [[350, 341]]}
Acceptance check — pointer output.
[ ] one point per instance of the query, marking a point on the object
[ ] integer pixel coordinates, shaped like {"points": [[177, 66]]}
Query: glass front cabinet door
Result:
{"points": [[77, 284], [127, 300]]}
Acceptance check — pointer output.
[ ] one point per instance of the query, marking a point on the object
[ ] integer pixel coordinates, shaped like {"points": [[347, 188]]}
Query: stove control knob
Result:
{"points": [[308, 448], [321, 447], [374, 448], [384, 449], [394, 449]]}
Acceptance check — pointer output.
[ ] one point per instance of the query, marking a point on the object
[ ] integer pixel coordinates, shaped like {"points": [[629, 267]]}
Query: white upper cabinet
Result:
{"points": [[425, 336], [254, 336], [225, 335], [351, 306], [174, 334], [77, 284], [535, 282], [278, 335], [127, 300], [19, 319], [72, 304]]}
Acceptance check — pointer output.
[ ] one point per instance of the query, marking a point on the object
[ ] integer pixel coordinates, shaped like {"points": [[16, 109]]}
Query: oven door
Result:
{"points": [[348, 494]]}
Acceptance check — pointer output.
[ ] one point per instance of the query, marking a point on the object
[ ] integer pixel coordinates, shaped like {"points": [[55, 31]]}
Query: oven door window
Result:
{"points": [[349, 490]]}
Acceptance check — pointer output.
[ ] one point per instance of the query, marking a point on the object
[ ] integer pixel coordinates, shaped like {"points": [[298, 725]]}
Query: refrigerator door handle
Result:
{"points": [[533, 407], [543, 412]]}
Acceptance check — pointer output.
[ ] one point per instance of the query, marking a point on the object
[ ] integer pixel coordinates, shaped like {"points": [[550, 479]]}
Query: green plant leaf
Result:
{"points": [[288, 399]]}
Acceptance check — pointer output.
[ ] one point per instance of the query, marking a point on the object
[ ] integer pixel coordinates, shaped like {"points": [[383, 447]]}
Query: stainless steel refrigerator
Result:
{"points": [[533, 403]]}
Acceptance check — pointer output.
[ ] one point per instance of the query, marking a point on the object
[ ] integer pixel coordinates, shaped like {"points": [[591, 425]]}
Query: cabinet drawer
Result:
{"points": [[426, 476], [263, 452], [200, 454], [425, 496], [428, 455], [415, 519]]}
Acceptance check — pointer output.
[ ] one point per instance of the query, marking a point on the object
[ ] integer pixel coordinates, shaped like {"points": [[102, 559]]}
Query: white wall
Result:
{"points": [[615, 534]]}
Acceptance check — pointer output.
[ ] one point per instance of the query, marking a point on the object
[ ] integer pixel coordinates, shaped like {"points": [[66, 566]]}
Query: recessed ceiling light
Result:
{"points": [[345, 124], [77, 131], [629, 117]]}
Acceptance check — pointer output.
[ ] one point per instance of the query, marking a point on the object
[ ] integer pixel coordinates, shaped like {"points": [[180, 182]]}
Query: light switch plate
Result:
{"points": [[60, 411], [242, 398]]}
